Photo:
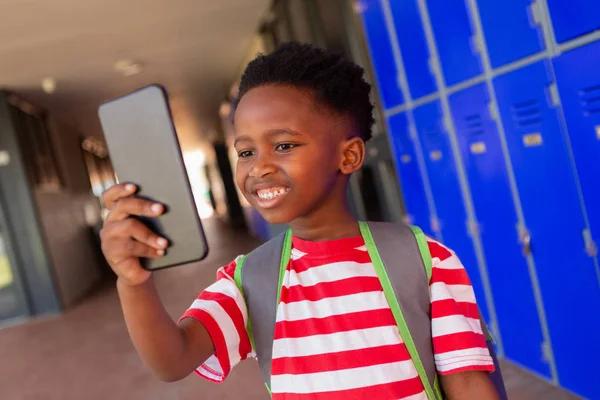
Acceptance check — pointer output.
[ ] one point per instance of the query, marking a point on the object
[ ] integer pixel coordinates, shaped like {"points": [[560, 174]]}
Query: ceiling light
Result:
{"points": [[128, 67], [49, 85]]}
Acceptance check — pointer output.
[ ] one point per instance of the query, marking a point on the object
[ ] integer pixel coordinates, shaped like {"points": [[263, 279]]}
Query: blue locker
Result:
{"points": [[510, 32], [381, 53], [413, 46], [579, 85], [443, 177], [453, 37], [553, 214], [508, 271], [573, 18], [411, 183]]}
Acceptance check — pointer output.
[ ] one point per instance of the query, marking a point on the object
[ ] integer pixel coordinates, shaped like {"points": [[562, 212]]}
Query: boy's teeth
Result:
{"points": [[270, 194]]}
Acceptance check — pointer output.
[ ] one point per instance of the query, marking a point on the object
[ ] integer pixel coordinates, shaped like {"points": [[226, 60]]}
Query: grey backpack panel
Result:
{"points": [[260, 281], [402, 259]]}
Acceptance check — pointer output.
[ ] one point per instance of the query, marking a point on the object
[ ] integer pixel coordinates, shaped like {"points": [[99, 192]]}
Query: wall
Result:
{"points": [[492, 110], [67, 217]]}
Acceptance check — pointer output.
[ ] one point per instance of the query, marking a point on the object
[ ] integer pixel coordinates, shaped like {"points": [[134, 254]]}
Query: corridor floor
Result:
{"points": [[85, 353]]}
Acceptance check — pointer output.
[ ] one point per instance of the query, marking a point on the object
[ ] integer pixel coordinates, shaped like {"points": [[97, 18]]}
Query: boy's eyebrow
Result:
{"points": [[269, 133]]}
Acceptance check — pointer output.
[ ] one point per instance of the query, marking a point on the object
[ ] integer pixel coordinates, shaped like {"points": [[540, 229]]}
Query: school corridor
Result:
{"points": [[85, 353]]}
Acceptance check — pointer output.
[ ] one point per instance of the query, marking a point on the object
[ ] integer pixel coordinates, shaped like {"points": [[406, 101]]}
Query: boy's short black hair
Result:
{"points": [[337, 83]]}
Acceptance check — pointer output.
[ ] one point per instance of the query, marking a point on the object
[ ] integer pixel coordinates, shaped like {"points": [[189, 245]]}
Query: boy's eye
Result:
{"points": [[284, 146], [245, 153]]}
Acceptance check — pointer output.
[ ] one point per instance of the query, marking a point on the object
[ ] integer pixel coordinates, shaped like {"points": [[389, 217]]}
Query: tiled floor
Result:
{"points": [[85, 354]]}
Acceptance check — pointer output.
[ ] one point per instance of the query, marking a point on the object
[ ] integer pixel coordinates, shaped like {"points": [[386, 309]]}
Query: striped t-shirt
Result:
{"points": [[335, 335]]}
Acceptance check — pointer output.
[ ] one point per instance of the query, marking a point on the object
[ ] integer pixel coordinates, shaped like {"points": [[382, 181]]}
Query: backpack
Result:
{"points": [[405, 281]]}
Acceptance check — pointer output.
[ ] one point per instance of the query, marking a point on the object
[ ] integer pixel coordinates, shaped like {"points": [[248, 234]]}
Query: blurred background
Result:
{"points": [[487, 136]]}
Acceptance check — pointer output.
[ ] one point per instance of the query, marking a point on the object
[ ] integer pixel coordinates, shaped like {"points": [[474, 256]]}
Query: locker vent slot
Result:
{"points": [[433, 135], [590, 100], [527, 113], [474, 125]]}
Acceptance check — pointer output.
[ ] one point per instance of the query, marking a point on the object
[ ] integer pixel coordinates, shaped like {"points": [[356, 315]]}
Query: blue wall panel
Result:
{"points": [[453, 37], [408, 171], [579, 85], [511, 284], [509, 30], [441, 168], [381, 53], [573, 18], [552, 208], [413, 46]]}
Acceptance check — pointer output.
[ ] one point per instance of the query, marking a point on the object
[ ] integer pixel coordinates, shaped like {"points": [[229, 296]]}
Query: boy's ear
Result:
{"points": [[353, 155]]}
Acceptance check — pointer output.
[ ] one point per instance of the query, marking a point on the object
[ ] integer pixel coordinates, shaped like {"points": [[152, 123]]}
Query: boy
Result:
{"points": [[301, 125]]}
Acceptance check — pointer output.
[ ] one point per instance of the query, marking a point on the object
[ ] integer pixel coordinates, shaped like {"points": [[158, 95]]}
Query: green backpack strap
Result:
{"points": [[427, 376]]}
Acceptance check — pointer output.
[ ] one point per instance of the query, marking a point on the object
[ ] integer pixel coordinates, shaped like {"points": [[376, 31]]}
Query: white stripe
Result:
{"points": [[462, 364], [328, 273], [297, 254], [330, 306], [420, 396], [225, 324], [454, 324], [458, 293], [344, 379], [449, 263], [229, 288], [336, 342], [473, 352], [210, 365]]}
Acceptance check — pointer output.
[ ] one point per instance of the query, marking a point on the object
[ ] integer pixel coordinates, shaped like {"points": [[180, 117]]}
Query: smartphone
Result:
{"points": [[144, 149]]}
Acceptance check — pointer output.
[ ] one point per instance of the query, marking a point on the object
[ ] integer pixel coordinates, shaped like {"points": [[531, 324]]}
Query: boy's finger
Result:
{"points": [[123, 250], [117, 192], [128, 206], [132, 228]]}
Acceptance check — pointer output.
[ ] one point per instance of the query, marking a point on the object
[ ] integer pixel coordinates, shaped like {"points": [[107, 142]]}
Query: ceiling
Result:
{"points": [[195, 48]]}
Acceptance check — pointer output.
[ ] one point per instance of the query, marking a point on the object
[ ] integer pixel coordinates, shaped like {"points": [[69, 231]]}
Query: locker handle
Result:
{"points": [[526, 243]]}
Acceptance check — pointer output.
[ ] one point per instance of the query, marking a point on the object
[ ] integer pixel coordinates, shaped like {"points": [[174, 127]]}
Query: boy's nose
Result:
{"points": [[262, 168]]}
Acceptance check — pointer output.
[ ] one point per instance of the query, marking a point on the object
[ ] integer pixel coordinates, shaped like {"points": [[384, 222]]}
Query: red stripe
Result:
{"points": [[320, 291], [228, 269], [334, 324], [395, 390], [450, 276], [448, 307], [458, 341], [438, 251], [340, 360], [231, 308], [308, 262], [216, 336]]}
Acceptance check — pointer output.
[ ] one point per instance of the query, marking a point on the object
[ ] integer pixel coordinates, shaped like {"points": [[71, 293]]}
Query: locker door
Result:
{"points": [[510, 30], [453, 36], [415, 54], [511, 284], [553, 214], [380, 50], [411, 183], [573, 18], [443, 177], [579, 85]]}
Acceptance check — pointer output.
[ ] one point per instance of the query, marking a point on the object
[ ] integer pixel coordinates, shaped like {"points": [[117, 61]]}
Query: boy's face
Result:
{"points": [[292, 153]]}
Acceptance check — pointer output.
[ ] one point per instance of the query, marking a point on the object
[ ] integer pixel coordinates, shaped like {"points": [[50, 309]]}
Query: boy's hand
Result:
{"points": [[126, 239]]}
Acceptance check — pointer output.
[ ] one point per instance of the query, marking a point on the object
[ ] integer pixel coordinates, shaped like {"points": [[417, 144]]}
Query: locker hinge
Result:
{"points": [[524, 239], [435, 224], [447, 124], [535, 11], [400, 83], [473, 228], [434, 66], [492, 110], [590, 246], [476, 43], [554, 97], [412, 131], [546, 351]]}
